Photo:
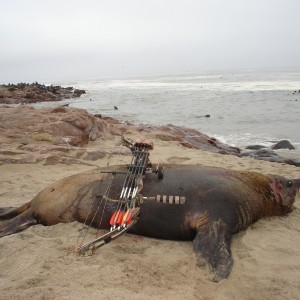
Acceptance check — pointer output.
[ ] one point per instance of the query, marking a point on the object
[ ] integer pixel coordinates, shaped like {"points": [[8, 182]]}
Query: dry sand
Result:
{"points": [[40, 263]]}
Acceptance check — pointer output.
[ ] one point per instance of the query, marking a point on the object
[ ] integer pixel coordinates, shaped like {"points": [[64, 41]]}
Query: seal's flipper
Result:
{"points": [[19, 223], [6, 211], [212, 243], [11, 212]]}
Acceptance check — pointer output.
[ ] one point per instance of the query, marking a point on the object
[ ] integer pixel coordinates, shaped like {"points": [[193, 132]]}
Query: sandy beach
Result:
{"points": [[211, 83], [40, 263]]}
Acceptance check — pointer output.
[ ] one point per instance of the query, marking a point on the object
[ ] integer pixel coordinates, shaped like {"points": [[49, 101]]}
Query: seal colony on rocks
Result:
{"points": [[25, 93], [218, 203]]}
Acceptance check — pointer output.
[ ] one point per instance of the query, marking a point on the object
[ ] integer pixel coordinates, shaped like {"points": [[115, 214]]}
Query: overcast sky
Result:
{"points": [[67, 39]]}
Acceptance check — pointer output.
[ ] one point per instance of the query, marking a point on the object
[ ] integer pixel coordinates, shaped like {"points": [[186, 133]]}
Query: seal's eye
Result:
{"points": [[289, 183]]}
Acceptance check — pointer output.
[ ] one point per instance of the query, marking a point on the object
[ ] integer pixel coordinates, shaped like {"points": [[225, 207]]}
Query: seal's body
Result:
{"points": [[218, 203]]}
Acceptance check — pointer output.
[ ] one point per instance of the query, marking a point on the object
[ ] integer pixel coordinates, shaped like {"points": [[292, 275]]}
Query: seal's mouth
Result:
{"points": [[285, 193], [290, 200], [297, 187], [288, 209], [292, 196], [295, 190]]}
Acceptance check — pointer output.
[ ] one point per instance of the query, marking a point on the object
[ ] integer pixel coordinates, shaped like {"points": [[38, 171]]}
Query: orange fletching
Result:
{"points": [[120, 217], [114, 217], [127, 217]]}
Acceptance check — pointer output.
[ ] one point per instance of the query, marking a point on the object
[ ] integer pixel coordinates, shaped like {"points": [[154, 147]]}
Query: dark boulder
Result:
{"points": [[78, 93], [283, 144]]}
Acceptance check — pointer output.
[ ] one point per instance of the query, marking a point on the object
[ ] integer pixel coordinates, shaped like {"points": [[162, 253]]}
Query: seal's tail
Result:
{"points": [[17, 224], [11, 212]]}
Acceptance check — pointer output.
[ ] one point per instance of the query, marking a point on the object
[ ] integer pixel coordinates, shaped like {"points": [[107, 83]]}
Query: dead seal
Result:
{"points": [[218, 203]]}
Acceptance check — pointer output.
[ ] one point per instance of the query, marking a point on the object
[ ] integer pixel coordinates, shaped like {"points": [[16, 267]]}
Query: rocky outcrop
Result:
{"points": [[68, 126], [25, 93], [66, 135], [70, 135], [270, 155], [29, 135], [189, 138]]}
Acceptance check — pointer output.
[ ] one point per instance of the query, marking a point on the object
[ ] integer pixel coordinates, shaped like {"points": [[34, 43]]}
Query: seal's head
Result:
{"points": [[285, 191]]}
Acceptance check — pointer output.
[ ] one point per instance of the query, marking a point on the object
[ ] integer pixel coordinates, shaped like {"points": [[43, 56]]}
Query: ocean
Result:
{"points": [[244, 108]]}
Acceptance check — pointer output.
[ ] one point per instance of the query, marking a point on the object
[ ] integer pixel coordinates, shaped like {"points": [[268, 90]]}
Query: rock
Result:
{"points": [[78, 141], [55, 148], [59, 109], [260, 153], [270, 155], [187, 145], [46, 132], [10, 152], [283, 144], [52, 160], [30, 158], [255, 147], [79, 153], [166, 137], [25, 93], [21, 159], [69, 135], [77, 93], [94, 155], [192, 138]]}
